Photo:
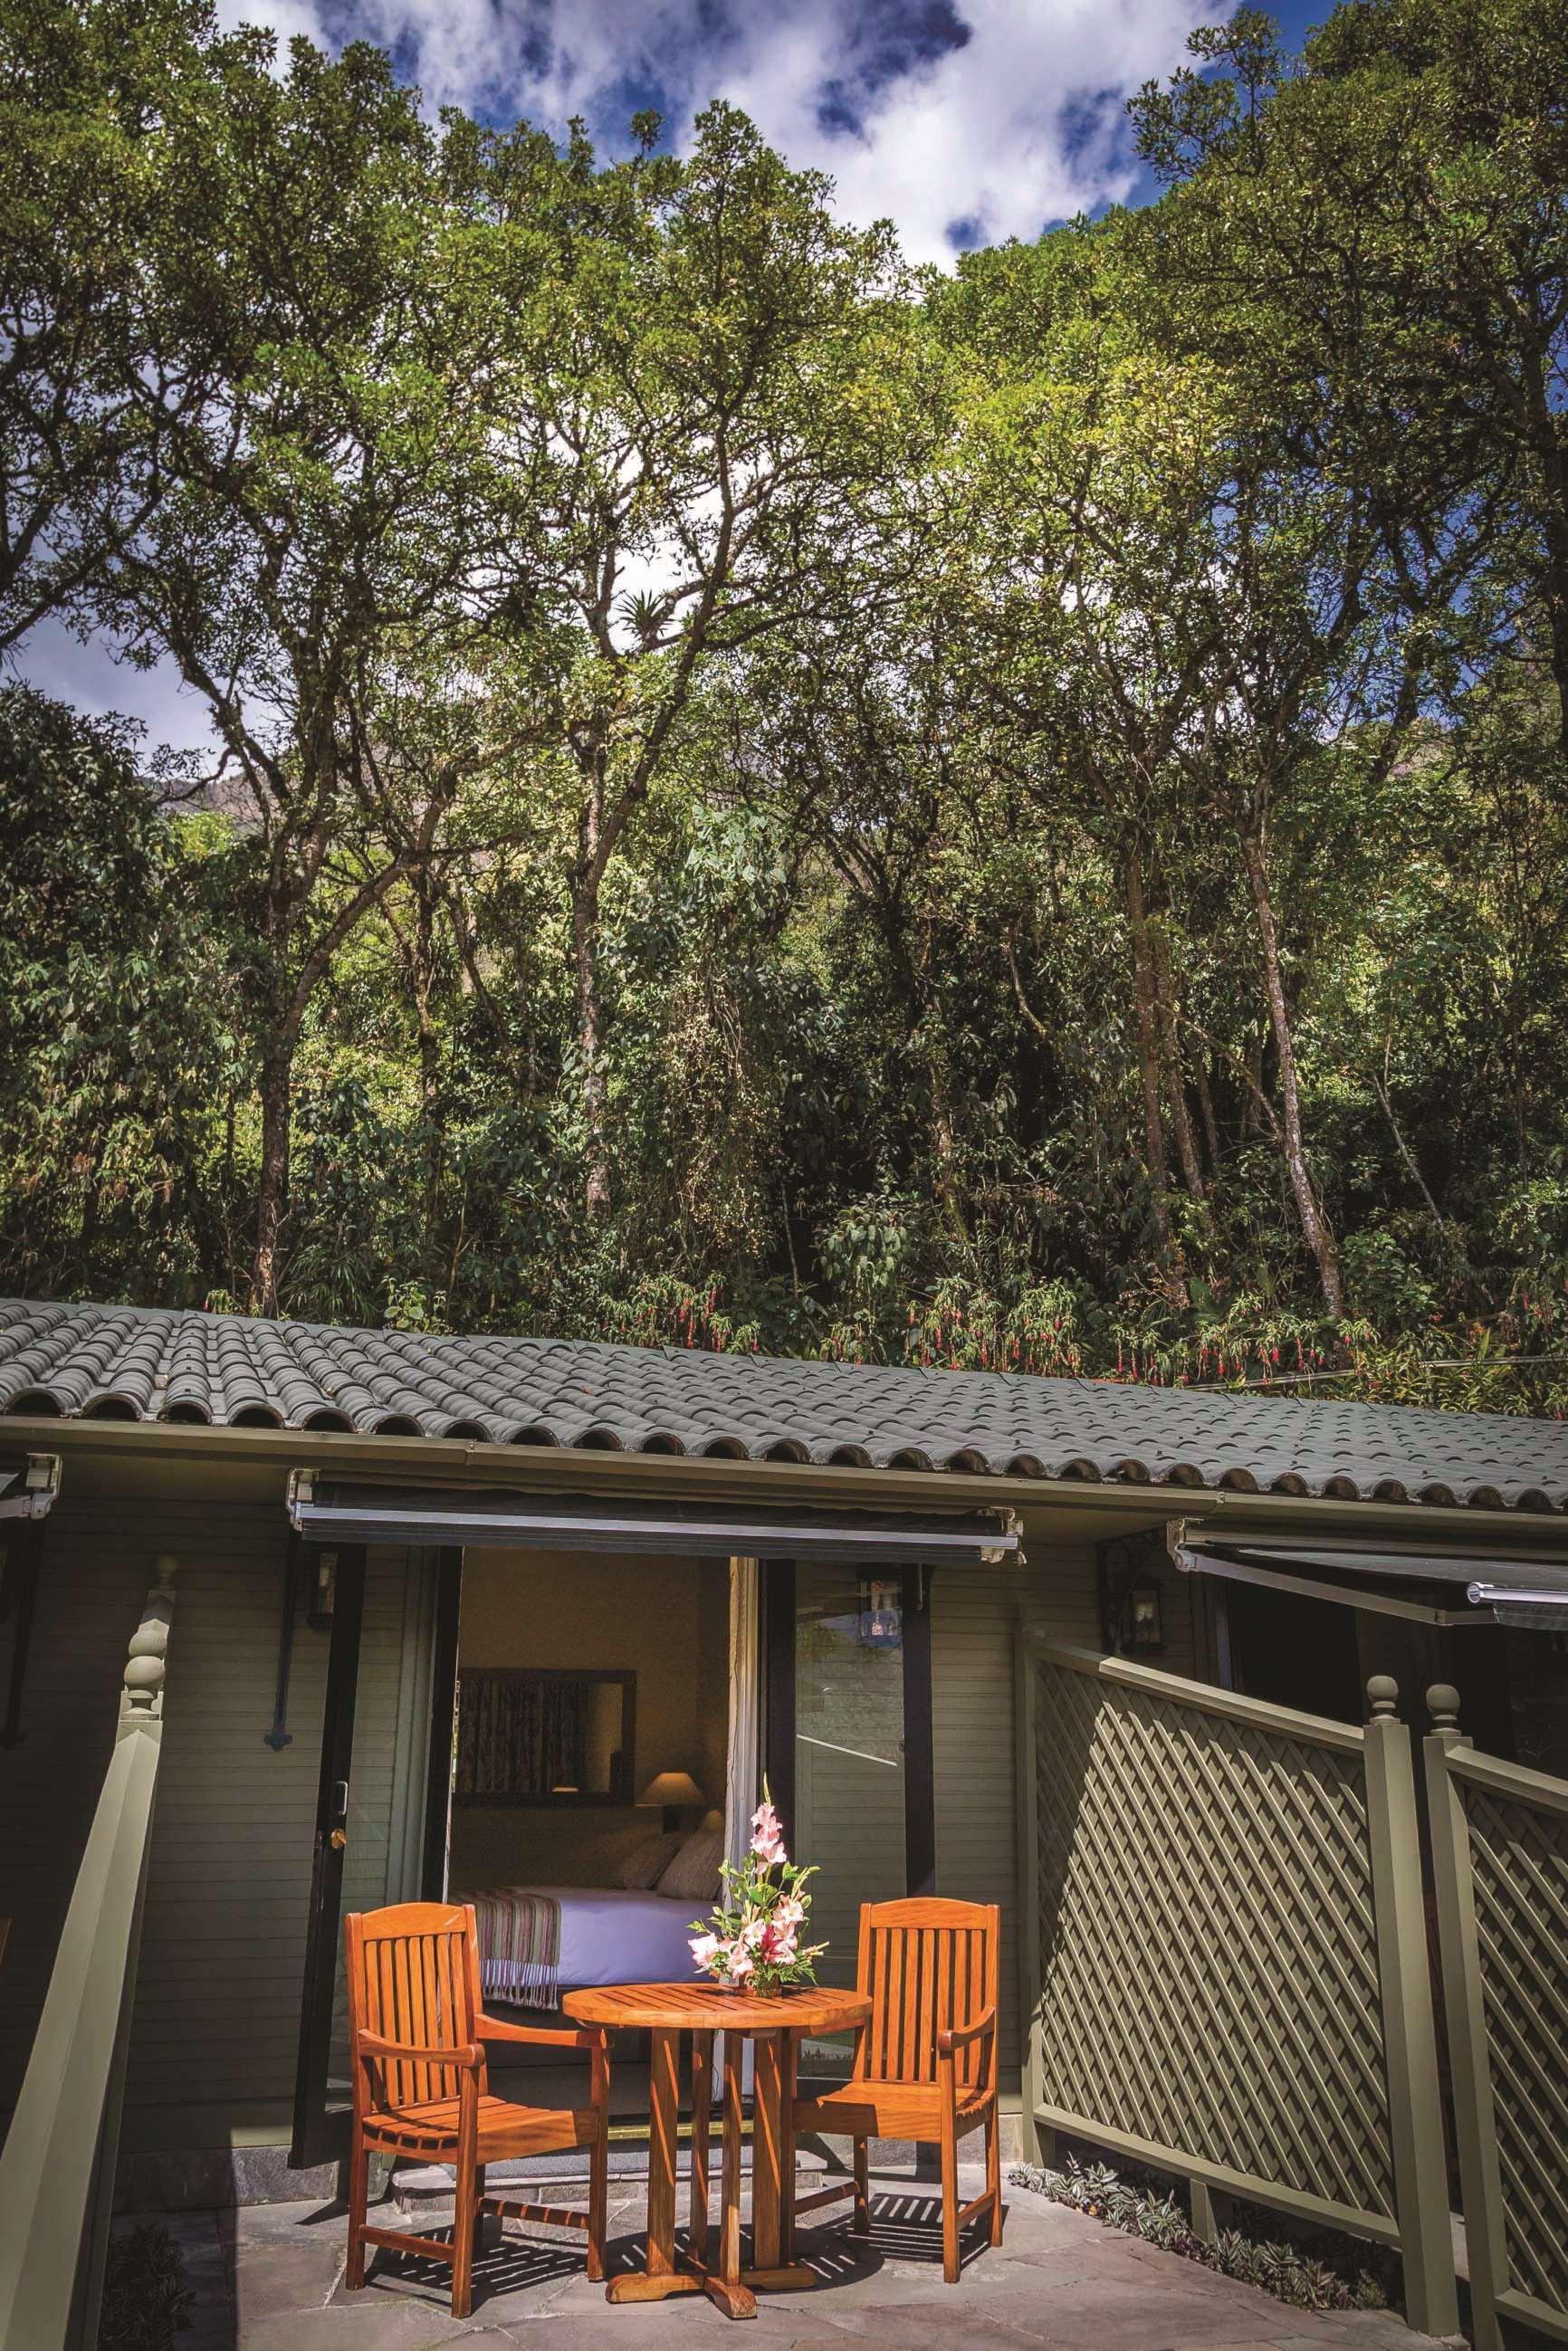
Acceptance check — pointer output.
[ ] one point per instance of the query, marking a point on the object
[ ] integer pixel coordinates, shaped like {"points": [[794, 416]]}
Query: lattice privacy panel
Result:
{"points": [[1208, 1948], [1518, 1864]]}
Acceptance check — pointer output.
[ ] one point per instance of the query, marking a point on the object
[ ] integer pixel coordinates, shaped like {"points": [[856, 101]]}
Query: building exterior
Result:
{"points": [[318, 1492]]}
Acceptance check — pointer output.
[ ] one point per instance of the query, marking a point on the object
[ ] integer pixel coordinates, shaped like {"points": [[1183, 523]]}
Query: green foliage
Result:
{"points": [[113, 1047], [146, 2301], [1313, 2270], [1016, 820]]}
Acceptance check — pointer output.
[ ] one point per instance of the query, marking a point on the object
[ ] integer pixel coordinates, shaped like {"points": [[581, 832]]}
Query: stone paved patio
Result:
{"points": [[270, 2278]]}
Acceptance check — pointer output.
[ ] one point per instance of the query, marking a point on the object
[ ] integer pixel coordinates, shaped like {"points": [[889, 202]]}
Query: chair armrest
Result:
{"points": [[959, 2036], [467, 2058], [491, 2028]]}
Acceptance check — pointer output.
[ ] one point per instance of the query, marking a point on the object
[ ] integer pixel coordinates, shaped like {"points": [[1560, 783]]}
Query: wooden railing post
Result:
{"points": [[1032, 2144], [1409, 2033], [1475, 2123], [56, 2173]]}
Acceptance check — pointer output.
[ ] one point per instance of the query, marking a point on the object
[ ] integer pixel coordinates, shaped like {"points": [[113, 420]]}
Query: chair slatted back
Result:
{"points": [[927, 1965], [414, 1976]]}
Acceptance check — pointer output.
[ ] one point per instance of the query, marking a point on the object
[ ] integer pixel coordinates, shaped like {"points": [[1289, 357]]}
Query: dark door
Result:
{"points": [[322, 2092]]}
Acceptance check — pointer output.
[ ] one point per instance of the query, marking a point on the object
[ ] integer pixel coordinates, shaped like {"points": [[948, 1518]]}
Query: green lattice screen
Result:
{"points": [[1519, 1865], [1207, 1950]]}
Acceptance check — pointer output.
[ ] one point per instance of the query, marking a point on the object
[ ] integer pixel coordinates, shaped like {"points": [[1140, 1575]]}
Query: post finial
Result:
{"points": [[1382, 1691], [1443, 1706]]}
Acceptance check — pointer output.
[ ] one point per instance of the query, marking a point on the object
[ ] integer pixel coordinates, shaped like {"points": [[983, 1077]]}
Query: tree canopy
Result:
{"points": [[765, 797]]}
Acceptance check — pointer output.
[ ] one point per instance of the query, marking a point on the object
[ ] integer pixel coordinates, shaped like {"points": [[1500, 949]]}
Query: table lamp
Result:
{"points": [[677, 1791]]}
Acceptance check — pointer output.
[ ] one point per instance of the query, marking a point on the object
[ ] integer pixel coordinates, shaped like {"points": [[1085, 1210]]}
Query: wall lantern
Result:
{"points": [[1144, 1618], [881, 1611], [323, 1592]]}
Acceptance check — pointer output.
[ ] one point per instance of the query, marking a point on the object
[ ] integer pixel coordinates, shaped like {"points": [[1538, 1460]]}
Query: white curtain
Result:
{"points": [[740, 1787], [742, 1768]]}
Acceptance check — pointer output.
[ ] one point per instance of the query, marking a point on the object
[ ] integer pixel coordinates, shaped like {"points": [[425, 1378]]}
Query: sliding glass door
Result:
{"points": [[849, 1738]]}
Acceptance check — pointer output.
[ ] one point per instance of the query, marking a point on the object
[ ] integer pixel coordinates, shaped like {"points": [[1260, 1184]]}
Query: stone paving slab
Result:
{"points": [[1060, 2283]]}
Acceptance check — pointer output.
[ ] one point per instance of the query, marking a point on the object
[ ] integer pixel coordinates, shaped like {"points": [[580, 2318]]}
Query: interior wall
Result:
{"points": [[663, 1619]]}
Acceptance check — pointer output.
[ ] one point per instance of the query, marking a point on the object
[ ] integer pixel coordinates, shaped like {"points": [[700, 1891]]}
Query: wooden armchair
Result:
{"points": [[422, 2087], [925, 2064]]}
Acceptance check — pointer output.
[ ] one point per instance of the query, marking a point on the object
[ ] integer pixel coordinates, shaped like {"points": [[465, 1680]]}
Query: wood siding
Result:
{"points": [[975, 1616], [217, 2025], [93, 1581]]}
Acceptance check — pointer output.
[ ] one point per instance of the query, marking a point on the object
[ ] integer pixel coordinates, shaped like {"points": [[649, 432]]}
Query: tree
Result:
{"points": [[83, 339], [320, 502], [699, 399]]}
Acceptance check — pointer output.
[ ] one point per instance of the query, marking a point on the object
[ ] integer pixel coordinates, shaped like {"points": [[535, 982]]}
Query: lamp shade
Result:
{"points": [[670, 1788]]}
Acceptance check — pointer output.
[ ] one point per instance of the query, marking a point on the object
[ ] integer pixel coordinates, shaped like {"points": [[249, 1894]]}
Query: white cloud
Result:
{"points": [[87, 677], [1017, 125]]}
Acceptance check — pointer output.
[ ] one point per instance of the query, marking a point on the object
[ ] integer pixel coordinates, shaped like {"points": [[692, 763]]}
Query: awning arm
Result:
{"points": [[1307, 1587], [1534, 1611], [35, 1498]]}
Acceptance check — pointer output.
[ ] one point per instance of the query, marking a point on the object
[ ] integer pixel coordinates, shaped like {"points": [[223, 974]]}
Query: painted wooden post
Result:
{"points": [[1480, 2178], [1410, 2047], [1210, 2210], [1032, 2141], [56, 2174]]}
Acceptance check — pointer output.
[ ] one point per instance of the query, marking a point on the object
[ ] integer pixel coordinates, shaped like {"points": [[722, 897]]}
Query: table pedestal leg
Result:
{"points": [[702, 2102], [660, 2277], [722, 2283], [772, 2170]]}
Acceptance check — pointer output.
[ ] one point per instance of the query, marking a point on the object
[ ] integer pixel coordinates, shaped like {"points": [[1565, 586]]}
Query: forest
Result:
{"points": [[763, 797]]}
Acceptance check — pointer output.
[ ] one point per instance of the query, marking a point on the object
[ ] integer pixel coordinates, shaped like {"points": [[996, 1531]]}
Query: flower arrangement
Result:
{"points": [[752, 1942]]}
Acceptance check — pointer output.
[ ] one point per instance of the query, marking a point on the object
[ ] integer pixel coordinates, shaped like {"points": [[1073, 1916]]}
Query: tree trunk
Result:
{"points": [[423, 976], [271, 1192], [1205, 1112], [1315, 1224], [1149, 1045], [945, 1143], [585, 885], [1181, 1124]]}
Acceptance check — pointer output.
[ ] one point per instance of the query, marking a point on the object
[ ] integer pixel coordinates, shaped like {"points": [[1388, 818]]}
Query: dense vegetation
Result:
{"points": [[1013, 817]]}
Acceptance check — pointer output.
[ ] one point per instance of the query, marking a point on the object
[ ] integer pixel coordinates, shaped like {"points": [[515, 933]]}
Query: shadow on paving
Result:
{"points": [[270, 2278]]}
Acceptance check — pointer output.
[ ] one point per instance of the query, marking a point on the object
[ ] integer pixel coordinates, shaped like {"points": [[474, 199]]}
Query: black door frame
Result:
{"points": [[319, 2133], [777, 1619], [320, 2137]]}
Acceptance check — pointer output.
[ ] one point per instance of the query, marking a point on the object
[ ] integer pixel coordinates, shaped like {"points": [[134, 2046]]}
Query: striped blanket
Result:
{"points": [[520, 1946]]}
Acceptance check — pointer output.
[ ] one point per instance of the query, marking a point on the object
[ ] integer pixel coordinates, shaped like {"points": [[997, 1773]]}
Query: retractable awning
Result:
{"points": [[1436, 1587], [333, 1511]]}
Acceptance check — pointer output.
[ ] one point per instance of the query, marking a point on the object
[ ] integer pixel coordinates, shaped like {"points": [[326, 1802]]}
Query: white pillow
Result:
{"points": [[692, 1874]]}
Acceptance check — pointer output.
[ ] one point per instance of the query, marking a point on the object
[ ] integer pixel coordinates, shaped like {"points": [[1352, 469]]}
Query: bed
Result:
{"points": [[607, 1935]]}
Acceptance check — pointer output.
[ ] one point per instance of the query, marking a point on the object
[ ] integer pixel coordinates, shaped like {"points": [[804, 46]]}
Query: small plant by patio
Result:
{"points": [[1325, 2273], [145, 2297], [753, 1941]]}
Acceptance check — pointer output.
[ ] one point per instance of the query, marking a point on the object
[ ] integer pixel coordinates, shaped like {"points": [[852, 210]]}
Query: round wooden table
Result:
{"points": [[774, 2025]]}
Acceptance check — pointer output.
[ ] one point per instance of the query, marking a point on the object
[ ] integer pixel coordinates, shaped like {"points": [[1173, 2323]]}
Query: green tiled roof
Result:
{"points": [[135, 1364]]}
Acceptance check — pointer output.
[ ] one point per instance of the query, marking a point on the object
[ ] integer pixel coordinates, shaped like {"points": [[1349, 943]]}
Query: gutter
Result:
{"points": [[1123, 1505]]}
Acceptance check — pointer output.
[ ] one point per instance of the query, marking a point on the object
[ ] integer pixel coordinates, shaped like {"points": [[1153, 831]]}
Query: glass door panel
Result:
{"points": [[848, 1794]]}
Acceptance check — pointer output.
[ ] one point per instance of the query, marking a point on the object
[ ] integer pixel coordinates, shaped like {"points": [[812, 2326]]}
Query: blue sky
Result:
{"points": [[964, 121]]}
